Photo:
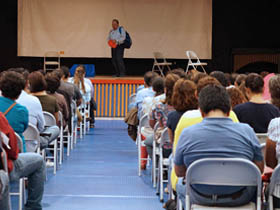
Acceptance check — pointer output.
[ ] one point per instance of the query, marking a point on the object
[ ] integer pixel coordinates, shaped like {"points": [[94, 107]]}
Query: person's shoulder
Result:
{"points": [[273, 107], [192, 114]]}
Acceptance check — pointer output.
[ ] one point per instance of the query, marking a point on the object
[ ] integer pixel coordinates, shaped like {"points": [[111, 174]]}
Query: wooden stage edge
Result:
{"points": [[117, 80]]}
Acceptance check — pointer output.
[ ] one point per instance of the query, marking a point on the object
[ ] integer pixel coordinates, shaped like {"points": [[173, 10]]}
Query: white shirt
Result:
{"points": [[88, 89], [34, 108]]}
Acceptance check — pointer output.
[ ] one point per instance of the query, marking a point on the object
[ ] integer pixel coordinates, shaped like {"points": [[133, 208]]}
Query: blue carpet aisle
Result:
{"points": [[101, 174]]}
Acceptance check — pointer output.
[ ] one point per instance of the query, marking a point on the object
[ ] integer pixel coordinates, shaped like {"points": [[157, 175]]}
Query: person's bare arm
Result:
{"points": [[170, 134], [180, 170], [270, 154]]}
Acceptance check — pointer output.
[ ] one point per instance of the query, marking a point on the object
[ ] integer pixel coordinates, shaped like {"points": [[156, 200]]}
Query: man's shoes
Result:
{"points": [[122, 75], [116, 75]]}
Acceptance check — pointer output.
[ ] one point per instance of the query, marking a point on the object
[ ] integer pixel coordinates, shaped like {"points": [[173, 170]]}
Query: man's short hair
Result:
{"points": [[116, 20], [37, 82], [11, 84], [158, 85], [149, 77], [65, 71], [254, 82], [214, 97], [221, 77], [208, 80]]}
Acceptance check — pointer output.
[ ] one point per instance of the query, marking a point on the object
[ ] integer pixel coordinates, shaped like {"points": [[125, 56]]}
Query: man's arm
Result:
{"points": [[180, 170]]}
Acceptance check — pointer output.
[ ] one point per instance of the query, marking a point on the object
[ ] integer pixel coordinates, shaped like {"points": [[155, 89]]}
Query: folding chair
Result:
{"points": [[262, 137], [32, 137], [51, 59], [192, 56], [21, 192], [160, 62], [50, 121], [143, 123], [74, 120], [163, 163], [154, 158], [274, 182], [223, 172]]}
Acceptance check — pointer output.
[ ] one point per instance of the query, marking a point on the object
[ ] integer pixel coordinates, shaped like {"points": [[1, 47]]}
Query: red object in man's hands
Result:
{"points": [[112, 43]]}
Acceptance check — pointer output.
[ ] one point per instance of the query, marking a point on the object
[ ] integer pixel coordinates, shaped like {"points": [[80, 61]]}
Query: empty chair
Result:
{"points": [[51, 61], [192, 56], [223, 172], [274, 186], [50, 121], [160, 63]]}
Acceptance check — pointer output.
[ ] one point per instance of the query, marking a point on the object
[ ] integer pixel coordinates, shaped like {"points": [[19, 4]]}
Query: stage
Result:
{"points": [[112, 93]]}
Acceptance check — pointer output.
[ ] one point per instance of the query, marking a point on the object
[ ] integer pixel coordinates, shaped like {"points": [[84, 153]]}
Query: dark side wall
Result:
{"points": [[236, 24]]}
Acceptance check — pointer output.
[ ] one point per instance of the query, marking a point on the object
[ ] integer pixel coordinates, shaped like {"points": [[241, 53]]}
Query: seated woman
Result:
{"points": [[53, 83], [38, 88], [11, 85], [257, 112], [183, 99], [236, 96]]}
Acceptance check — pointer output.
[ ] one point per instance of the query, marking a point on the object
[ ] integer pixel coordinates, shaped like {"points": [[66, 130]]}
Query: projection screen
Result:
{"points": [[79, 28]]}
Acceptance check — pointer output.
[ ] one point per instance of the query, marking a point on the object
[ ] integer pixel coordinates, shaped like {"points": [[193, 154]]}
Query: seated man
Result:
{"points": [[217, 136], [30, 165]]}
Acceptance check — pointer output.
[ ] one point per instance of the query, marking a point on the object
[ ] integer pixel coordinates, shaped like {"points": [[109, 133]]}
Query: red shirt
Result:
{"points": [[12, 154]]}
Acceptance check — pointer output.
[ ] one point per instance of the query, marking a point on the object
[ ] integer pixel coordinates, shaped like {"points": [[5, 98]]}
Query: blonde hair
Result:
{"points": [[79, 77]]}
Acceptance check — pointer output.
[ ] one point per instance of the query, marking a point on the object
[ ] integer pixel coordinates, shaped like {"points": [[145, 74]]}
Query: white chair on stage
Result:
{"points": [[160, 63], [194, 64], [51, 61]]}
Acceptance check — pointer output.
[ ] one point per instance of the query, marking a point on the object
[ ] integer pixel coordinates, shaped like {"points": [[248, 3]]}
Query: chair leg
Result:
{"points": [[161, 178], [55, 157], [154, 164], [21, 193], [139, 154], [68, 144]]}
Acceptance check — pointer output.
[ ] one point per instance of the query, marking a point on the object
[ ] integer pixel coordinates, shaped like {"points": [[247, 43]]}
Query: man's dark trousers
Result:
{"points": [[117, 60]]}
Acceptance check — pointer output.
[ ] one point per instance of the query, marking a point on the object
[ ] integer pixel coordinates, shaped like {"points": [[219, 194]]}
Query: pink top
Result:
{"points": [[266, 93]]}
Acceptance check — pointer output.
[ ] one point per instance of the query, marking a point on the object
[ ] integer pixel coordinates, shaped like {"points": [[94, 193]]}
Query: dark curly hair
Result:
{"points": [[11, 84], [184, 98], [53, 82], [255, 83], [221, 77], [202, 83], [170, 81], [236, 96]]}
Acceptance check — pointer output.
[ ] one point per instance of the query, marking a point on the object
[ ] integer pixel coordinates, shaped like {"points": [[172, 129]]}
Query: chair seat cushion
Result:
{"points": [[250, 206]]}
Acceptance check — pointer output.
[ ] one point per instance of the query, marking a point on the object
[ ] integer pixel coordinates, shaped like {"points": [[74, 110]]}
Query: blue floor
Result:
{"points": [[101, 174]]}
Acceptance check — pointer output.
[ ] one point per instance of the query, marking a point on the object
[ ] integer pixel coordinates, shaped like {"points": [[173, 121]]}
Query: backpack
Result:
{"points": [[127, 42]]}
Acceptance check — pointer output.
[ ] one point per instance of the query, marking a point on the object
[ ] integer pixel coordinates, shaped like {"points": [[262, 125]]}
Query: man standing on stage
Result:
{"points": [[116, 39]]}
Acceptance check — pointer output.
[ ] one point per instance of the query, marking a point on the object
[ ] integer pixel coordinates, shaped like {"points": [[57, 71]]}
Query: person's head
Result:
{"points": [[170, 81], [53, 82], [239, 79], [58, 73], [236, 96], [37, 82], [206, 81], [180, 72], [230, 78], [79, 76], [254, 84], [199, 76], [149, 77], [158, 85], [264, 74], [183, 97], [220, 76], [214, 98], [11, 84], [65, 71], [274, 89], [23, 72], [115, 24]]}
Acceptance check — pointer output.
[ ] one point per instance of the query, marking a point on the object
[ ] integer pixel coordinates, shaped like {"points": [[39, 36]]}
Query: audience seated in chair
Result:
{"points": [[236, 96], [193, 117], [11, 85], [216, 136], [257, 112], [183, 99], [53, 83], [30, 165]]}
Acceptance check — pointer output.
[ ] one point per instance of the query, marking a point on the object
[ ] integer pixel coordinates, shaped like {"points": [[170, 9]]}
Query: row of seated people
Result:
{"points": [[23, 99], [218, 121]]}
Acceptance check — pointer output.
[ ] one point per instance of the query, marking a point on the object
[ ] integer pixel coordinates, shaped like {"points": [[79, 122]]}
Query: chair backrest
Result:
{"points": [[31, 133], [224, 172], [192, 55], [49, 119], [144, 121], [73, 107], [60, 119], [274, 180], [158, 56], [20, 143], [164, 137], [262, 137], [132, 98]]}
